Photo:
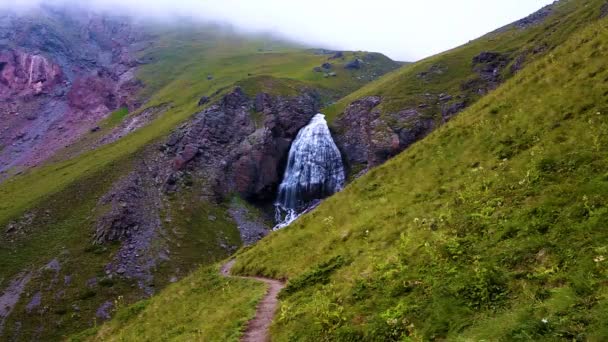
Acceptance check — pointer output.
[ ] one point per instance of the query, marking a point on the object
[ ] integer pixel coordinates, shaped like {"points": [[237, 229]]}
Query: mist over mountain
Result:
{"points": [[403, 30]]}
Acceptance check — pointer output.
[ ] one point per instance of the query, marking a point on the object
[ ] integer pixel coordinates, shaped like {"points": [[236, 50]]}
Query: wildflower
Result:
{"points": [[544, 320], [599, 258]]}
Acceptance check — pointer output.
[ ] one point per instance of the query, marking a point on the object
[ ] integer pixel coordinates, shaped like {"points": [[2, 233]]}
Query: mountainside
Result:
{"points": [[60, 73], [489, 228], [111, 193], [383, 118]]}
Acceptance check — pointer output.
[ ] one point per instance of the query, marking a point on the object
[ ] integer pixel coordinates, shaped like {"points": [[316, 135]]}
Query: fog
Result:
{"points": [[405, 30]]}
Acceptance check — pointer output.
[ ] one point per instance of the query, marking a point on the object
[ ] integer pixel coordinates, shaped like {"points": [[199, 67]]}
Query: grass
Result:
{"points": [[226, 304], [492, 228], [117, 116]]}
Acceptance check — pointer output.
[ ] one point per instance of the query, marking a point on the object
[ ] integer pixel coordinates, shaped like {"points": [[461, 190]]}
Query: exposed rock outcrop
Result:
{"points": [[488, 66], [233, 150], [604, 10], [25, 74], [534, 18], [58, 81], [367, 137], [127, 211], [131, 214], [354, 64], [238, 144]]}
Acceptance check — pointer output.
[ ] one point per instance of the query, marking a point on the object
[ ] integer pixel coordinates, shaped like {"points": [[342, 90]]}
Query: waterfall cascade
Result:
{"points": [[314, 171]]}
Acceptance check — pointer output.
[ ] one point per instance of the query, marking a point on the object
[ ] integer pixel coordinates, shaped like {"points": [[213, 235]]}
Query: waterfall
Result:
{"points": [[314, 171]]}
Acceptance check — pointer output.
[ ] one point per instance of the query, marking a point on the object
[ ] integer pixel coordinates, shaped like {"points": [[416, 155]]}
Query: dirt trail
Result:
{"points": [[258, 327]]}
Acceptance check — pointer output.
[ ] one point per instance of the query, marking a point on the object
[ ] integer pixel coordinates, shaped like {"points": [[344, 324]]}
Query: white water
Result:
{"points": [[314, 171]]}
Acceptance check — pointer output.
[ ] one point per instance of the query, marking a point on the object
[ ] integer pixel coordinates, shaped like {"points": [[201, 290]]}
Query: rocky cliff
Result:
{"points": [[61, 71], [238, 145]]}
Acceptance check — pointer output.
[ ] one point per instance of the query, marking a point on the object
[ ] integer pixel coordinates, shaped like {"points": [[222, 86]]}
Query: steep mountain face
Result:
{"points": [[235, 146], [382, 119], [133, 153], [60, 73], [237, 151]]}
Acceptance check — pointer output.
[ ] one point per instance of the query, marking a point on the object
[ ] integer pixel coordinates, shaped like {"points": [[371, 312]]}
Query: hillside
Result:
{"points": [[385, 117], [490, 228], [129, 203]]}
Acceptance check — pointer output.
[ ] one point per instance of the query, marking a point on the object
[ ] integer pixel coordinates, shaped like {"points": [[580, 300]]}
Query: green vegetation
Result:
{"points": [[217, 309], [117, 116], [492, 228]]}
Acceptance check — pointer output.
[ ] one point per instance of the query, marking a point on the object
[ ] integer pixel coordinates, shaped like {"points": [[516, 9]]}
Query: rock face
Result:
{"points": [[61, 71], [366, 137], [233, 151], [130, 214], [534, 18], [23, 74], [127, 211], [354, 64], [604, 11], [488, 66], [224, 149]]}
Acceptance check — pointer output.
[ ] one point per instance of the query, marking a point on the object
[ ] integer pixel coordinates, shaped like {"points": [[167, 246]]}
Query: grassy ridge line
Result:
{"points": [[491, 228], [405, 89]]}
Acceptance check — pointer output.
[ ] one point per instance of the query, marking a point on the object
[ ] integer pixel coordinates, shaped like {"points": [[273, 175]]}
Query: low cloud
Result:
{"points": [[403, 29]]}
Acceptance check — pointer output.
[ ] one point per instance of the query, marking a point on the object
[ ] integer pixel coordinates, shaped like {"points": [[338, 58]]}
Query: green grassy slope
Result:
{"points": [[406, 89], [492, 228], [64, 194], [226, 305]]}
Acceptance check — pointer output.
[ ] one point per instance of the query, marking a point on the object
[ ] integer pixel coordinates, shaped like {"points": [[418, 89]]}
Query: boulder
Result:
{"points": [[604, 10], [337, 55], [203, 101], [355, 64]]}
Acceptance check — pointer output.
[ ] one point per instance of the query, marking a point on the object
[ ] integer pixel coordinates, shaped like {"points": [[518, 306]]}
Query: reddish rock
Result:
{"points": [[91, 92], [22, 74], [62, 85]]}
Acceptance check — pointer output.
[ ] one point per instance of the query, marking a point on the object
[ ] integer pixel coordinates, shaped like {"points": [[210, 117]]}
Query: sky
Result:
{"points": [[405, 30]]}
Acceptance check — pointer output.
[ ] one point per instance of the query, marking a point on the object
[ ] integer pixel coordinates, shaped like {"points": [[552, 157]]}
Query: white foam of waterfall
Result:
{"points": [[314, 171]]}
